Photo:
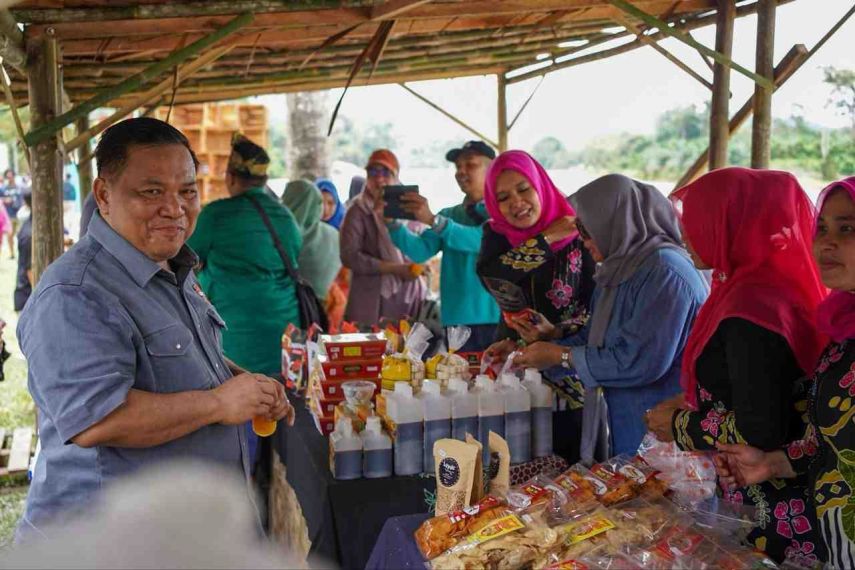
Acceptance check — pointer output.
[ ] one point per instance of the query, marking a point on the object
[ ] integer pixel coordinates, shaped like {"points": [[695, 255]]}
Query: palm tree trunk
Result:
{"points": [[308, 152]]}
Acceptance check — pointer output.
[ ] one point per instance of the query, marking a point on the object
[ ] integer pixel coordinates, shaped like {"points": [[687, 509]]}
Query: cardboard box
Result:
{"points": [[324, 425], [353, 347], [352, 370]]}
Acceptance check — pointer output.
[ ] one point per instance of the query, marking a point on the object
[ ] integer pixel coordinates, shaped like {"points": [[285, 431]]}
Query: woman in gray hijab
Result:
{"points": [[646, 298]]}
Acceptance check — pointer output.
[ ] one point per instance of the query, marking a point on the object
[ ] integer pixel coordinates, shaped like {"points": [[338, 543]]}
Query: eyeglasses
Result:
{"points": [[373, 171], [582, 231]]}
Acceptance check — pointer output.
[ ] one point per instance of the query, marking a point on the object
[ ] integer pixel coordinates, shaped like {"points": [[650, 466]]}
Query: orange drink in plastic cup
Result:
{"points": [[416, 269], [263, 427]]}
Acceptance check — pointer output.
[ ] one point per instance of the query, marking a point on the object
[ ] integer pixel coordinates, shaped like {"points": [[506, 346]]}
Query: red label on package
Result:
{"points": [[677, 542], [469, 512]]}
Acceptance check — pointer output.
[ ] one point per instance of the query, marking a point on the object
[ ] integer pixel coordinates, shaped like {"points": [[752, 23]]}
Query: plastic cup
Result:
{"points": [[263, 427]]}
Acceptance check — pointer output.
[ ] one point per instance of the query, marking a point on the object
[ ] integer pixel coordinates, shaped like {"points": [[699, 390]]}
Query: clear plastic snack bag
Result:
{"points": [[447, 364]]}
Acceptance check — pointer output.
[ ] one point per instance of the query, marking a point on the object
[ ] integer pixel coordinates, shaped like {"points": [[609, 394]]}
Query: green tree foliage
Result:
{"points": [[842, 82], [551, 153]]}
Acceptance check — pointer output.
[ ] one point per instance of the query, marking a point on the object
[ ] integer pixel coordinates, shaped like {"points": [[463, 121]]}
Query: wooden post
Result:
{"points": [[44, 95], [719, 108], [761, 129], [84, 160], [502, 118]]}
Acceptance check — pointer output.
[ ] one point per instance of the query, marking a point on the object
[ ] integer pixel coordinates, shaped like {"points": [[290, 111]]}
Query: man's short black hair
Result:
{"points": [[28, 198], [111, 154]]}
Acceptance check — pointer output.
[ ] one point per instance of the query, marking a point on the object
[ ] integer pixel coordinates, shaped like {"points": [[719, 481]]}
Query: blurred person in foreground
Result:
{"points": [[124, 350], [456, 233], [383, 284], [179, 515], [24, 280]]}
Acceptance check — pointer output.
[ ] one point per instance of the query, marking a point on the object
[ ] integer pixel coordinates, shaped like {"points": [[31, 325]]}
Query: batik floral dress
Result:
{"points": [[558, 285], [748, 381], [827, 452]]}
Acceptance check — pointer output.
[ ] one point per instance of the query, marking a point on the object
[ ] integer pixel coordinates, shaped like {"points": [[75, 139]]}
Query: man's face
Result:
{"points": [[378, 177], [471, 173], [153, 202]]}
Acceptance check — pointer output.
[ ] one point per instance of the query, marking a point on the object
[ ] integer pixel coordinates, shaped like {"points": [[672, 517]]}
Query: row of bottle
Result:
{"points": [[368, 454], [520, 412]]}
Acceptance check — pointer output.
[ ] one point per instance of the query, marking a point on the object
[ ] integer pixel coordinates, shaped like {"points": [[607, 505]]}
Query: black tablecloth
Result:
{"points": [[344, 518], [396, 549]]}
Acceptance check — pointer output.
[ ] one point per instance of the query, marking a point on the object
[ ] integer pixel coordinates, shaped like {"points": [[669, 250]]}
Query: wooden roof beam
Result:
{"points": [[394, 8], [134, 82], [663, 27], [629, 25]]}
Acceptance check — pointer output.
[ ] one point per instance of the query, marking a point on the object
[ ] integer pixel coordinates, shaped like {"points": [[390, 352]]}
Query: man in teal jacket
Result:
{"points": [[456, 232]]}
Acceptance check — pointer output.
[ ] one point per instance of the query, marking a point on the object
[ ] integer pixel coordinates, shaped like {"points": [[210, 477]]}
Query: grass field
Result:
{"points": [[16, 406]]}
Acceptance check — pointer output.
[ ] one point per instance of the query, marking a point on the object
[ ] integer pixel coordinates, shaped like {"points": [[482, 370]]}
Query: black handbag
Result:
{"points": [[311, 309]]}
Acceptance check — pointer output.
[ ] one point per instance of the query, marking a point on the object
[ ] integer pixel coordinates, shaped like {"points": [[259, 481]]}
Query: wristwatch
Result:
{"points": [[566, 361]]}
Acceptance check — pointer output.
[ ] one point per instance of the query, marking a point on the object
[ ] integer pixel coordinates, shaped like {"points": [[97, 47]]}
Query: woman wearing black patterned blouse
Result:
{"points": [[534, 264], [754, 338], [826, 452]]}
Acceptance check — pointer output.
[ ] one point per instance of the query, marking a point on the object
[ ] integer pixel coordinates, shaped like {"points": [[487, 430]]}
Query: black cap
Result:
{"points": [[475, 147]]}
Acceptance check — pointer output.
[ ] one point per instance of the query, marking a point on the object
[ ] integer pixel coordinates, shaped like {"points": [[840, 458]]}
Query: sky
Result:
{"points": [[620, 94]]}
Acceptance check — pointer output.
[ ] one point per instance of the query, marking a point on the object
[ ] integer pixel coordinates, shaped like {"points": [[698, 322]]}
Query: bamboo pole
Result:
{"points": [[525, 103], [689, 25], [46, 158], [460, 122], [84, 167], [146, 97], [761, 128], [627, 23], [133, 83], [655, 22], [11, 42], [502, 111], [720, 104], [795, 58]]}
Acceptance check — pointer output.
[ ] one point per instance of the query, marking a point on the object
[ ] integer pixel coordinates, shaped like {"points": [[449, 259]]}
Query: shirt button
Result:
{"points": [[178, 346]]}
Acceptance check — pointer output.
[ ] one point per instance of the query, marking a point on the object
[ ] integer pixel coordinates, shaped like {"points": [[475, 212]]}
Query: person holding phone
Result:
{"points": [[383, 284], [456, 232]]}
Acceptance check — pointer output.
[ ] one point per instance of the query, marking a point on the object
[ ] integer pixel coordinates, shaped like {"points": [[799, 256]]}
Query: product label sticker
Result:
{"points": [[567, 565], [587, 528], [352, 351], [678, 542], [497, 528], [632, 472], [599, 487], [449, 472], [487, 503]]}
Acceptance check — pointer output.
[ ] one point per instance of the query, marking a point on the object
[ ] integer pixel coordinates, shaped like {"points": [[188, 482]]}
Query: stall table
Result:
{"points": [[395, 548], [343, 518]]}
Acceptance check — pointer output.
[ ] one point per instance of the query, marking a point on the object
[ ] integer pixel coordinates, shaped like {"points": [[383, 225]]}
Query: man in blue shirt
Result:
{"points": [[124, 350], [456, 232]]}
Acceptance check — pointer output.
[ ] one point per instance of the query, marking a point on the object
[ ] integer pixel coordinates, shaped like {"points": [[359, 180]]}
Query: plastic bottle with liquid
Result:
{"points": [[437, 411], [405, 410], [541, 413], [377, 450], [517, 417], [345, 451], [491, 413], [464, 409]]}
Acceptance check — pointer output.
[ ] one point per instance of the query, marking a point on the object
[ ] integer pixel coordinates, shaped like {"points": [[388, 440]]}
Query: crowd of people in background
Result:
{"points": [[704, 318]]}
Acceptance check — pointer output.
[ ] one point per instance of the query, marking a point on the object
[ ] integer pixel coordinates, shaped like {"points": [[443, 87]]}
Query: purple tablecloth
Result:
{"points": [[395, 548]]}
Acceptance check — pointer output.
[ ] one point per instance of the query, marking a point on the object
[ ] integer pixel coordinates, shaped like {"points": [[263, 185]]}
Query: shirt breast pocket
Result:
{"points": [[173, 360]]}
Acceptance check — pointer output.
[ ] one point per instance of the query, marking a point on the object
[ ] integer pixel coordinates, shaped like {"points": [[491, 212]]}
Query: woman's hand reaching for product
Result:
{"points": [[499, 351], [532, 327], [660, 419], [540, 355], [739, 465], [560, 229]]}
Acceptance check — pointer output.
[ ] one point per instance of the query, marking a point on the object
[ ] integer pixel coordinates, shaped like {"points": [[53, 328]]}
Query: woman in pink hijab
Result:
{"points": [[534, 264], [826, 451]]}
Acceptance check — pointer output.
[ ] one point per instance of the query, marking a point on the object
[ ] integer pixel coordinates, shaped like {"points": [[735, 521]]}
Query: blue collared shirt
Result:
{"points": [[104, 319]]}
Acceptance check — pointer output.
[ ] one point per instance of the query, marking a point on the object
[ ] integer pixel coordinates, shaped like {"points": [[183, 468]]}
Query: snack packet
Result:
{"points": [[614, 488], [478, 479], [643, 475], [499, 471], [455, 472], [730, 523], [447, 365], [580, 492], [407, 366], [690, 475], [540, 497], [674, 548], [438, 534]]}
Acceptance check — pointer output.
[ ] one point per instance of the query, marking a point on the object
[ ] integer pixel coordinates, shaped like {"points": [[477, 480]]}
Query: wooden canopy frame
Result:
{"points": [[77, 55]]}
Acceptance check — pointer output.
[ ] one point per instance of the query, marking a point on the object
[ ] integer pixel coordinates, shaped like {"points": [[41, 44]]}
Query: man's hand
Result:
{"points": [[417, 205], [540, 355], [282, 408], [560, 229], [244, 396], [532, 327]]}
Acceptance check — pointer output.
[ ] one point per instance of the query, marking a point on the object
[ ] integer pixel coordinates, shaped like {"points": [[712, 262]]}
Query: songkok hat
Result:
{"points": [[247, 158]]}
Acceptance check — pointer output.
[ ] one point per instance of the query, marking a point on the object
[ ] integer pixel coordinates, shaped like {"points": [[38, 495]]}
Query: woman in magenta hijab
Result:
{"points": [[534, 264], [826, 451]]}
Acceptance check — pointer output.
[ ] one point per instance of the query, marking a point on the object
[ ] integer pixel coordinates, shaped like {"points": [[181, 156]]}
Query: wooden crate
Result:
{"points": [[209, 128], [17, 448]]}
